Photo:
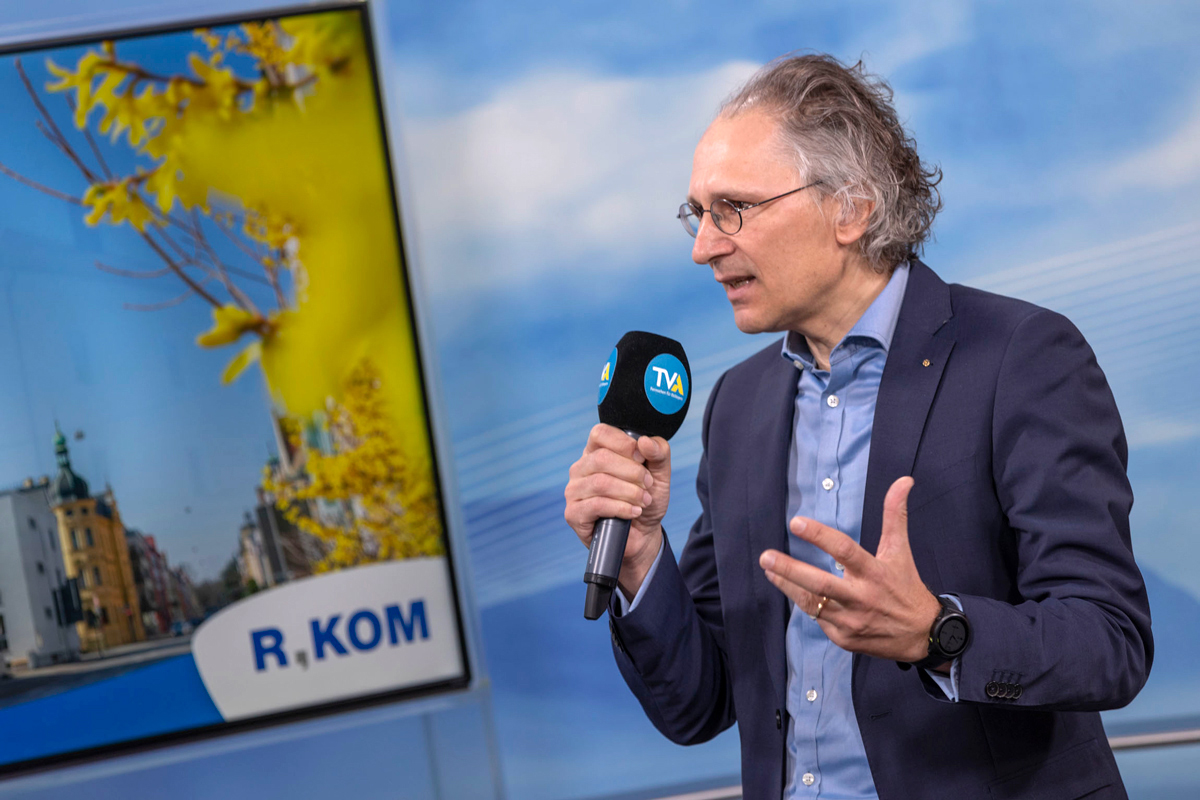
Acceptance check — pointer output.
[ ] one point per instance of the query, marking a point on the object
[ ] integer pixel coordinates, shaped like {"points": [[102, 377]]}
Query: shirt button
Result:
{"points": [[832, 400], [808, 778], [827, 484], [840, 567], [799, 364], [812, 695]]}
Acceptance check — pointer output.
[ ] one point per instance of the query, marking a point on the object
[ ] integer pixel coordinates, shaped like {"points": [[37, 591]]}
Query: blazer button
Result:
{"points": [[992, 689], [1016, 694], [778, 719]]}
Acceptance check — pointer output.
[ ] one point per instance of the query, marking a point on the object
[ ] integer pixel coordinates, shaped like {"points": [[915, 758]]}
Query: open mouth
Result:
{"points": [[734, 284]]}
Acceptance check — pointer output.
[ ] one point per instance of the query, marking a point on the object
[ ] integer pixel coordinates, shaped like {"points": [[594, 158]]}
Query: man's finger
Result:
{"points": [[606, 437], [655, 450], [844, 550], [607, 462], [893, 539], [812, 579], [603, 485], [582, 514], [803, 598], [825, 610]]}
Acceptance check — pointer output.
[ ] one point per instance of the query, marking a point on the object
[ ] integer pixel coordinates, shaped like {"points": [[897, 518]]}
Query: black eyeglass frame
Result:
{"points": [[687, 210]]}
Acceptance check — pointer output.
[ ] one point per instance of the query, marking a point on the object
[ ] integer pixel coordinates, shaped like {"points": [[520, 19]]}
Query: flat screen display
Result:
{"points": [[219, 494]]}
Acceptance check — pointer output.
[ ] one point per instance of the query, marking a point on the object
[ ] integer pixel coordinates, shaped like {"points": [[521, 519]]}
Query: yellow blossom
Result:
{"points": [[229, 323], [118, 201], [292, 151], [386, 491]]}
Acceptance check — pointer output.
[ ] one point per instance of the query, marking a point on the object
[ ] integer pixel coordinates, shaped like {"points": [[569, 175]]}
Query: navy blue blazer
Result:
{"points": [[999, 411]]}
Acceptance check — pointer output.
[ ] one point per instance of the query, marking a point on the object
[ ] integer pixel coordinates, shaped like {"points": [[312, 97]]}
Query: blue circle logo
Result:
{"points": [[666, 383], [610, 369]]}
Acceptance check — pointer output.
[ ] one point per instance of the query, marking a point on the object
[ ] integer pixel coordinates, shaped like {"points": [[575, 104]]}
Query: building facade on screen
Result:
{"points": [[152, 582], [253, 564], [36, 625], [95, 553]]}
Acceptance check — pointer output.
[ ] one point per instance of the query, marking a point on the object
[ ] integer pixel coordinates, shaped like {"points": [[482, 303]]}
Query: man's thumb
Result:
{"points": [[894, 535]]}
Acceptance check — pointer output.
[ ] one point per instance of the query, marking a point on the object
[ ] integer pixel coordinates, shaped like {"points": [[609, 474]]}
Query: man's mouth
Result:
{"points": [[733, 283]]}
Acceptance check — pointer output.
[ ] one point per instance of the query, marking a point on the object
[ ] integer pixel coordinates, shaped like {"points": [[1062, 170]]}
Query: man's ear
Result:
{"points": [[852, 221]]}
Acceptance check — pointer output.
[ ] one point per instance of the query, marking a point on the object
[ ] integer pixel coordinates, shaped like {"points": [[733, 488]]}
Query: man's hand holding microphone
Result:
{"points": [[619, 476], [619, 488]]}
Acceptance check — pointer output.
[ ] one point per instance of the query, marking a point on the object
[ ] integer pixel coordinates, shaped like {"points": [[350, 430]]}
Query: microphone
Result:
{"points": [[645, 390]]}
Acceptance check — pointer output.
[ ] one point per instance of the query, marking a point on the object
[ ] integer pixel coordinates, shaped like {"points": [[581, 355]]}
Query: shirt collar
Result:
{"points": [[877, 324]]}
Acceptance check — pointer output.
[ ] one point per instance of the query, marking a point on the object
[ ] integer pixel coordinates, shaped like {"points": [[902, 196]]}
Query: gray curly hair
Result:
{"points": [[839, 123]]}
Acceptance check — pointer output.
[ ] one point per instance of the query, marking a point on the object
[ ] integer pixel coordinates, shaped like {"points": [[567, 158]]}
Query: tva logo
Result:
{"points": [[666, 383], [674, 382], [364, 631]]}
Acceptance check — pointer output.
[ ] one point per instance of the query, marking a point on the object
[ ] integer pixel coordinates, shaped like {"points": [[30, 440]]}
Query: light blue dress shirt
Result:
{"points": [[827, 469]]}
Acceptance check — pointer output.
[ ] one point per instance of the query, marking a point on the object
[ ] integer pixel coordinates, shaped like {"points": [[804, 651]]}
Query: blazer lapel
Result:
{"points": [[925, 335], [768, 439]]}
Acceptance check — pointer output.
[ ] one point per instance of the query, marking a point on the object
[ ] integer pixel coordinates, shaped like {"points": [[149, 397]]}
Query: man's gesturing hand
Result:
{"points": [[881, 607], [619, 477]]}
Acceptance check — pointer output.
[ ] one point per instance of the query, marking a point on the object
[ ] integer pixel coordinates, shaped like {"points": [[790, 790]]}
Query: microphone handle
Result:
{"points": [[604, 561]]}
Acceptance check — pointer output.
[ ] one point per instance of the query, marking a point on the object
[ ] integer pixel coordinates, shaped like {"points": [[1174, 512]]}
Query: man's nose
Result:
{"points": [[710, 242]]}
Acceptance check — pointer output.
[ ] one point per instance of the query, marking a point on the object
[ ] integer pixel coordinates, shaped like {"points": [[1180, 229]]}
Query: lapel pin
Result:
{"points": [[925, 363]]}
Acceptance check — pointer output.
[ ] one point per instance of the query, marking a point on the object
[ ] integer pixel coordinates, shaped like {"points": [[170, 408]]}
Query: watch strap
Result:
{"points": [[937, 655]]}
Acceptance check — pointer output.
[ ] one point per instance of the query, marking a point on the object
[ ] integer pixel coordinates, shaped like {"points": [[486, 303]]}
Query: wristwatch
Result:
{"points": [[948, 636]]}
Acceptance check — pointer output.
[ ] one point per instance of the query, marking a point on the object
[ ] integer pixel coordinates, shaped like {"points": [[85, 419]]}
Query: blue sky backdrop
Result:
{"points": [[546, 147]]}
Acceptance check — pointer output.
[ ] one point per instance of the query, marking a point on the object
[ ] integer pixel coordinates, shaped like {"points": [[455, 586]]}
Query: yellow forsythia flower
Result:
{"points": [[229, 323]]}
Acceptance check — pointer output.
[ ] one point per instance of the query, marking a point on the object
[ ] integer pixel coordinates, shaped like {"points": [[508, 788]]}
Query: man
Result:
{"points": [[912, 574]]}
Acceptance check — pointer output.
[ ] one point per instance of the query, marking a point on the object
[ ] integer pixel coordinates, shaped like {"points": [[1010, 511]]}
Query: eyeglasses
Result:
{"points": [[725, 214]]}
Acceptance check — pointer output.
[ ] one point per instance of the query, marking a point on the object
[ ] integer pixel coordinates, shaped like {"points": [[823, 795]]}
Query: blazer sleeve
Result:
{"points": [[1076, 634], [671, 648]]}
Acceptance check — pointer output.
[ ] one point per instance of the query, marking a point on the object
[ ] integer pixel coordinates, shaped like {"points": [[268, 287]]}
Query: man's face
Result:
{"points": [[781, 267]]}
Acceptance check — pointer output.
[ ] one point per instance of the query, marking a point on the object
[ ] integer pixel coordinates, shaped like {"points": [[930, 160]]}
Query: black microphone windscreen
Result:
{"points": [[646, 385]]}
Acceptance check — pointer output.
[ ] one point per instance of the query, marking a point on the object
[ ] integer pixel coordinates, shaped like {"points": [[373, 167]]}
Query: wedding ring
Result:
{"points": [[820, 607]]}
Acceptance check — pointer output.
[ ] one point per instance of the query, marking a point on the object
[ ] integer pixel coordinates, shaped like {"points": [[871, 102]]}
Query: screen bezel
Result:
{"points": [[441, 467]]}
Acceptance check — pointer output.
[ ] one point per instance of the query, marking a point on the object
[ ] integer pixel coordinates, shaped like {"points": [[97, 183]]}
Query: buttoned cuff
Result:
{"points": [[624, 606]]}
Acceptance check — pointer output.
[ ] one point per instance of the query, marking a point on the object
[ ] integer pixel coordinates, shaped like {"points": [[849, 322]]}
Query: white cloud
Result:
{"points": [[913, 31], [556, 167], [561, 167], [564, 166], [1153, 432], [1170, 163]]}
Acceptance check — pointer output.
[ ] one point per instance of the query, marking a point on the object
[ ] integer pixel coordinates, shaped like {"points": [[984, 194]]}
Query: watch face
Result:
{"points": [[953, 636]]}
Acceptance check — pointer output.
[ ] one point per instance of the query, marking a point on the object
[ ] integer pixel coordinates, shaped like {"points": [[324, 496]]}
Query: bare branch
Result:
{"points": [[159, 306], [167, 219], [237, 294], [132, 273], [197, 233], [59, 140], [196, 236], [273, 275], [179, 251], [240, 244], [272, 279], [91, 143], [250, 276], [19, 178], [66, 148], [178, 270]]}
